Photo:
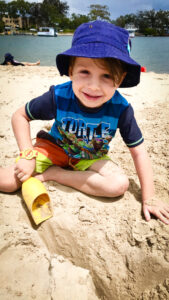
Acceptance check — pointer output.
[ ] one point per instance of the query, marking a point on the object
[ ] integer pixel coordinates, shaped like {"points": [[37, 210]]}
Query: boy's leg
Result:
{"points": [[103, 178], [8, 180]]}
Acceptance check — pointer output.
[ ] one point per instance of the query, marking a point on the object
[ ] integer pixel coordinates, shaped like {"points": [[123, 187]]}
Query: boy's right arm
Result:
{"points": [[21, 128]]}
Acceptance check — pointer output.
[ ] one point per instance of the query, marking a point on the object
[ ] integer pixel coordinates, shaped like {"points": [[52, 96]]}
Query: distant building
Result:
{"points": [[15, 23]]}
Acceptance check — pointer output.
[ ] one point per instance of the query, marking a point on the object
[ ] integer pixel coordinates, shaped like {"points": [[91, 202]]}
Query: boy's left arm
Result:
{"points": [[151, 205]]}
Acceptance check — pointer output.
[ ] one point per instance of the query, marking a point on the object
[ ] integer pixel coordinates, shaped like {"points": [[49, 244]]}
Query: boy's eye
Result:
{"points": [[107, 76], [84, 72]]}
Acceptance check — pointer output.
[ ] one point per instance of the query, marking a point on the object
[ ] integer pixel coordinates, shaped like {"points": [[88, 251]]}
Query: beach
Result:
{"points": [[92, 248]]}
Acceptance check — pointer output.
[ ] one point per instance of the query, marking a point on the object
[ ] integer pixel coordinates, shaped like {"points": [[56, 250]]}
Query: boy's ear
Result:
{"points": [[122, 78]]}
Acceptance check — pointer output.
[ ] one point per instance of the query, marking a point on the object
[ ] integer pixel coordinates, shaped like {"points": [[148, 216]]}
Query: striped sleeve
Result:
{"points": [[43, 107], [129, 128]]}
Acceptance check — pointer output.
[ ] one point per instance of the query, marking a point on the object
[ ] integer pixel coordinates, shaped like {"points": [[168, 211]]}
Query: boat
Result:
{"points": [[131, 30], [47, 31]]}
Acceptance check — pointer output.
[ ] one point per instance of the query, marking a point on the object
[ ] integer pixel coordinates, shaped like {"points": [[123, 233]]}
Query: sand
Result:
{"points": [[91, 248]]}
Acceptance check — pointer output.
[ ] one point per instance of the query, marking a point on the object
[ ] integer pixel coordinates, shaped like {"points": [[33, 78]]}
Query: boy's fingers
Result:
{"points": [[163, 219], [20, 175], [146, 214], [167, 208], [16, 170], [162, 214], [24, 177], [165, 213]]}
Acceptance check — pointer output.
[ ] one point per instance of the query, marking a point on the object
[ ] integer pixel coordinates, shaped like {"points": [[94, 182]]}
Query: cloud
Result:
{"points": [[164, 4], [116, 8], [120, 7]]}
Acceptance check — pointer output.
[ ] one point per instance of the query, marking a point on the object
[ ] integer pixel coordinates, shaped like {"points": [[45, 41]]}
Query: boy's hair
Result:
{"points": [[116, 67]]}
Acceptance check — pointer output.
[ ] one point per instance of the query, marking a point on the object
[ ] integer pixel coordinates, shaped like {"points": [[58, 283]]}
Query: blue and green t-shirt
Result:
{"points": [[84, 132]]}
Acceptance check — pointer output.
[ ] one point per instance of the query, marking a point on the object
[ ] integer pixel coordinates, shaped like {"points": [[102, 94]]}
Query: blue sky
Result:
{"points": [[116, 7]]}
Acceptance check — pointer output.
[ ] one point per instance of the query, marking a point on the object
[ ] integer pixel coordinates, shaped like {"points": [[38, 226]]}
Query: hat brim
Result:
{"points": [[95, 50]]}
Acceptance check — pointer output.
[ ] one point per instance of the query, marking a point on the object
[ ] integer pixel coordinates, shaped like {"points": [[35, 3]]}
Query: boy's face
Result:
{"points": [[92, 83]]}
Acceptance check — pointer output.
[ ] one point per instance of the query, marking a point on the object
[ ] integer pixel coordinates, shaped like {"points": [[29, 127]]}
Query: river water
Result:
{"points": [[151, 52]]}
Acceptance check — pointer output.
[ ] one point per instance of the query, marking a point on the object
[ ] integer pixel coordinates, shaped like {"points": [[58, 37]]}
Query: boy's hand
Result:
{"points": [[24, 168], [158, 208]]}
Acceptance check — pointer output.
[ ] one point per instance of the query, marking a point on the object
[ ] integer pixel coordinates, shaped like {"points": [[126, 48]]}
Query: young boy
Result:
{"points": [[87, 112]]}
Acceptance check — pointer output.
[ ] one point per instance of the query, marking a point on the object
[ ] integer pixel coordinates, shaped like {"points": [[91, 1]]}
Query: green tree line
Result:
{"points": [[55, 13], [149, 22]]}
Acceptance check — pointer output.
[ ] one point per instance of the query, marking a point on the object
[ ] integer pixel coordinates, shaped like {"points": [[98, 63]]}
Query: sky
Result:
{"points": [[116, 8]]}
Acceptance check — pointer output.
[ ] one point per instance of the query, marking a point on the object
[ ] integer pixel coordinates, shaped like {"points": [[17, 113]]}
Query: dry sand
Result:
{"points": [[92, 248]]}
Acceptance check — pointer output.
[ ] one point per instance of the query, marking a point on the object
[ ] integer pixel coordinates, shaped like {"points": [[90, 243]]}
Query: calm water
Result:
{"points": [[151, 52]]}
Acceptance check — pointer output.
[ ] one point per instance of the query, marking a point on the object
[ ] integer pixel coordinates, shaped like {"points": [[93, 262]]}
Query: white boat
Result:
{"points": [[46, 31], [131, 30]]}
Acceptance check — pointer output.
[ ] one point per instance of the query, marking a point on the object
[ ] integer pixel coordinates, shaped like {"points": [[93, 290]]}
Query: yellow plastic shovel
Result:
{"points": [[37, 200]]}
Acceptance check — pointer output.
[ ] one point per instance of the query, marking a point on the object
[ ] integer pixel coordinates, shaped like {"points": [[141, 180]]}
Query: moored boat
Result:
{"points": [[47, 31], [131, 30]]}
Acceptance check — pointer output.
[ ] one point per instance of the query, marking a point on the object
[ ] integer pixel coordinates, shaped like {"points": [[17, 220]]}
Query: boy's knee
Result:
{"points": [[11, 188], [118, 186], [123, 185], [8, 182]]}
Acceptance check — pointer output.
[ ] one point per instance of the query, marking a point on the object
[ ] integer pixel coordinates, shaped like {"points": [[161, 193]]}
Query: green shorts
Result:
{"points": [[50, 154], [43, 163]]}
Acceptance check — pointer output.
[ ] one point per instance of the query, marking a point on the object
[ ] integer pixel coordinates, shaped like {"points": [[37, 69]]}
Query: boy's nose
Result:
{"points": [[94, 83]]}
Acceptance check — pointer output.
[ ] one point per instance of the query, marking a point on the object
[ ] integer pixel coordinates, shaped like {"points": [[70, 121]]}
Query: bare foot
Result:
{"points": [[52, 173]]}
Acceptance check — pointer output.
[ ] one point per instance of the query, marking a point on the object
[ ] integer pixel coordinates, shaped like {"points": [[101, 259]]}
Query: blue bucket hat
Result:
{"points": [[100, 39]]}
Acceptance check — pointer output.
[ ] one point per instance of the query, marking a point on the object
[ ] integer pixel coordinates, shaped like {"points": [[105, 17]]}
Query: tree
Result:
{"points": [[17, 8], [121, 21], [2, 25], [35, 14], [64, 23], [23, 7], [162, 21], [12, 9], [59, 6], [3, 8], [52, 11], [48, 13], [77, 20], [151, 17], [99, 12], [152, 22]]}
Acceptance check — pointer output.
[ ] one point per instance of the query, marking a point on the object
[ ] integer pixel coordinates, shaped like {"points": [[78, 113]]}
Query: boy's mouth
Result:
{"points": [[91, 97]]}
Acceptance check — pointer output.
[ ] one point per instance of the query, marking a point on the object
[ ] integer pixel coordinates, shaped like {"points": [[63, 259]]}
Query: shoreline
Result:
{"points": [[71, 33], [55, 68], [33, 34]]}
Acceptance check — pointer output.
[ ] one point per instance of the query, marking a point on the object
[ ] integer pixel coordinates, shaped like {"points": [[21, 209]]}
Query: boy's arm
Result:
{"points": [[144, 170], [21, 128], [41, 108]]}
